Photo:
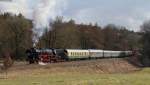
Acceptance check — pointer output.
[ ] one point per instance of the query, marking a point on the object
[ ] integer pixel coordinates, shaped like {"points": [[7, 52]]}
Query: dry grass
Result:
{"points": [[99, 72]]}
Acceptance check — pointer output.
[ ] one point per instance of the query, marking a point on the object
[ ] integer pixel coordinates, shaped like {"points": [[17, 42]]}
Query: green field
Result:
{"points": [[44, 77]]}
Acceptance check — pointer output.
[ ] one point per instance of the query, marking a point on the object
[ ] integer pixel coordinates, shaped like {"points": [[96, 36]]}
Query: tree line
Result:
{"points": [[68, 34], [16, 35]]}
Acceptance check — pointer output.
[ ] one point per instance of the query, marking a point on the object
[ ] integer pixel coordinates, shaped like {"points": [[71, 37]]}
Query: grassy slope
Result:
{"points": [[93, 72]]}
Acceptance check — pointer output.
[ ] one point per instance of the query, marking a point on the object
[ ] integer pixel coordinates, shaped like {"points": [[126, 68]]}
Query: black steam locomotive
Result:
{"points": [[46, 55]]}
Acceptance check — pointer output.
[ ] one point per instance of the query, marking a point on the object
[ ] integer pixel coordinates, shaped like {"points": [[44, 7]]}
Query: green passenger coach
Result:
{"points": [[77, 54]]}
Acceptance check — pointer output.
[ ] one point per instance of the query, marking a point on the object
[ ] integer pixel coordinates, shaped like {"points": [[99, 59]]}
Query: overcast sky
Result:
{"points": [[129, 13]]}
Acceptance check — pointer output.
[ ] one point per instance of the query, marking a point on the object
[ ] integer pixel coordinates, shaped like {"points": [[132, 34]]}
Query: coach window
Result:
{"points": [[71, 53]]}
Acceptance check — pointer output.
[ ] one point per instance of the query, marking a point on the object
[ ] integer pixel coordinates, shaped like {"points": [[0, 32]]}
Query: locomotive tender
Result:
{"points": [[58, 55]]}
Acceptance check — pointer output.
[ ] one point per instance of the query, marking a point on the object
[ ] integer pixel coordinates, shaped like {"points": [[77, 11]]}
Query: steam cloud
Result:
{"points": [[40, 11]]}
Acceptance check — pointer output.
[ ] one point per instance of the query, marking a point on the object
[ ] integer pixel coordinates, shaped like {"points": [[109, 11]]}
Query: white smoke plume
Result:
{"points": [[40, 11], [46, 11]]}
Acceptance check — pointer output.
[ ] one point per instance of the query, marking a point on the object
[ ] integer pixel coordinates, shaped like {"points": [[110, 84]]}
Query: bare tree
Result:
{"points": [[7, 62], [145, 28]]}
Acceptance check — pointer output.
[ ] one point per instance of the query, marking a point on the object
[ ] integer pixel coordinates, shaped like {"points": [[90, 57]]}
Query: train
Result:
{"points": [[60, 55]]}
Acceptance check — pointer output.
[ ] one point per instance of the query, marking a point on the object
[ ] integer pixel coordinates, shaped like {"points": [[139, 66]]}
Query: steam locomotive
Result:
{"points": [[59, 55]]}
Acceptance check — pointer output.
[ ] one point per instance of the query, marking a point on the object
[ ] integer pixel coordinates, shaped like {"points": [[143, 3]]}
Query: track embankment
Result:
{"points": [[116, 65]]}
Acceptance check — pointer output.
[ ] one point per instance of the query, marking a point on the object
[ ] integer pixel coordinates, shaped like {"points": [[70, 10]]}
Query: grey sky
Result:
{"points": [[129, 13]]}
